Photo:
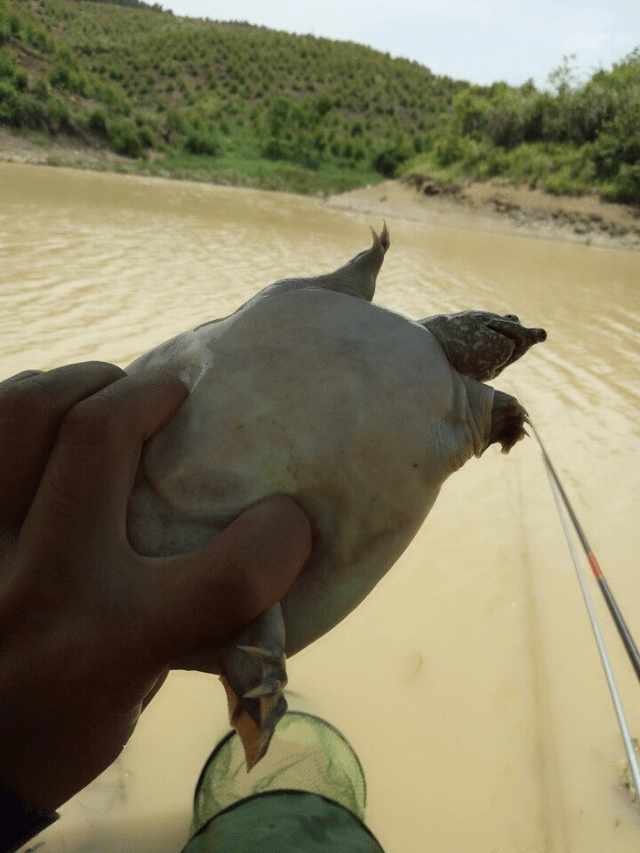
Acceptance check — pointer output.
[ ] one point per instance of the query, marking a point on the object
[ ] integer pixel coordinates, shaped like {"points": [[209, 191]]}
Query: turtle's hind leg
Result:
{"points": [[254, 676]]}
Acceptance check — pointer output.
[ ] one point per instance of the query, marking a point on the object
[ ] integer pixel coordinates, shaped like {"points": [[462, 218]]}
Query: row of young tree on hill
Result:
{"points": [[212, 90]]}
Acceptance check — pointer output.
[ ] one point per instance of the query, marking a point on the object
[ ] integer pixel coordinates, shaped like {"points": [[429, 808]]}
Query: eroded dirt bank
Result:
{"points": [[498, 206]]}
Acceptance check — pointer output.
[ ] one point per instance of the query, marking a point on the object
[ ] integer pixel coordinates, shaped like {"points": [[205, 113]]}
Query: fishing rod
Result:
{"points": [[564, 507], [621, 625], [622, 722]]}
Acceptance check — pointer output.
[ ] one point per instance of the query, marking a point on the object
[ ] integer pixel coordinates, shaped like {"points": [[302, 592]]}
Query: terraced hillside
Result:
{"points": [[244, 104]]}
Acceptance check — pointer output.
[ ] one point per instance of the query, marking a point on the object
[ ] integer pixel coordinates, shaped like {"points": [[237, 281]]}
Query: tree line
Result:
{"points": [[196, 91]]}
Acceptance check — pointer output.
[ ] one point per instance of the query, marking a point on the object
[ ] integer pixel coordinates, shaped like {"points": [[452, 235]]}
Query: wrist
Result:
{"points": [[36, 759], [20, 821]]}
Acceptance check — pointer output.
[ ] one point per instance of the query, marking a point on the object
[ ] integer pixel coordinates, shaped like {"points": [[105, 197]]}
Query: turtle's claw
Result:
{"points": [[508, 418], [255, 715], [259, 653], [265, 689]]}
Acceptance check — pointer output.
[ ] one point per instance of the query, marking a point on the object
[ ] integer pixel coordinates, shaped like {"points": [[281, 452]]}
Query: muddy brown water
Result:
{"points": [[468, 682]]}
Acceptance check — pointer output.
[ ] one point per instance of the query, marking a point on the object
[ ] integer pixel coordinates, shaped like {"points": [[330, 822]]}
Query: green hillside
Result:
{"points": [[576, 140], [243, 104]]}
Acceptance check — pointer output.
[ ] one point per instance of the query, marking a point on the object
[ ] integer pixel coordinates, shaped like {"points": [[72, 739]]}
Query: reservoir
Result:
{"points": [[469, 682]]}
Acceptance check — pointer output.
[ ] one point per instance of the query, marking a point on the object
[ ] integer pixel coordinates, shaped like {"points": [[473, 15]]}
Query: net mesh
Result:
{"points": [[306, 754]]}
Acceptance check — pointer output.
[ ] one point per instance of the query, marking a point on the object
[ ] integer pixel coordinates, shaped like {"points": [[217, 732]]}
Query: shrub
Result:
{"points": [[97, 123], [322, 104], [451, 148], [389, 159], [5, 32], [202, 141], [470, 111], [176, 122], [275, 149], [10, 107], [627, 183], [64, 78], [58, 118], [125, 139], [279, 115], [34, 113], [7, 64], [147, 137], [606, 155], [41, 89]]}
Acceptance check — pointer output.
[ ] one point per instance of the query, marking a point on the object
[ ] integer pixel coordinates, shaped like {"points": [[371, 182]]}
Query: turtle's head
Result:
{"points": [[358, 276], [479, 344]]}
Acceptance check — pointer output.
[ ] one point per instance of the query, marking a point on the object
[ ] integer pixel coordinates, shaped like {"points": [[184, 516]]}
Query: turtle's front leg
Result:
{"points": [[252, 667], [508, 418]]}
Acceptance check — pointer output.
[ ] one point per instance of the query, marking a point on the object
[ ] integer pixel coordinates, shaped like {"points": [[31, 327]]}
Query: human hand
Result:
{"points": [[88, 627]]}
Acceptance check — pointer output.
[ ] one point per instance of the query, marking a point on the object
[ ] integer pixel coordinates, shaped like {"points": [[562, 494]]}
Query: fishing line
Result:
{"points": [[624, 729], [623, 630], [563, 507]]}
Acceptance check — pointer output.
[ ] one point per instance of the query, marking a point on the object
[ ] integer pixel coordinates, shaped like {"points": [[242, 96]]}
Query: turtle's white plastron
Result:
{"points": [[359, 413]]}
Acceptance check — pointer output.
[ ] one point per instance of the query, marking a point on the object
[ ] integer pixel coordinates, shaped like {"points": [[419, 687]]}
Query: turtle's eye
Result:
{"points": [[512, 317]]}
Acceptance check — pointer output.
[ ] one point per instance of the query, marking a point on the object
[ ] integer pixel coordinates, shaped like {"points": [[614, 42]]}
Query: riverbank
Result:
{"points": [[61, 151], [486, 206], [500, 207]]}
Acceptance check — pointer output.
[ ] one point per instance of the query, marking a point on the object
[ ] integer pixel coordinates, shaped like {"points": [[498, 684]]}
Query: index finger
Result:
{"points": [[32, 405], [91, 470]]}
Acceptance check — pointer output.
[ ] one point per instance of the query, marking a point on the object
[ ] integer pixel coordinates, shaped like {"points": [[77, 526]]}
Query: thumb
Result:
{"points": [[203, 597]]}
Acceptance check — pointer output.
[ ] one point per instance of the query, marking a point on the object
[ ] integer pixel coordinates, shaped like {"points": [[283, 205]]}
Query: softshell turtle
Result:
{"points": [[359, 413]]}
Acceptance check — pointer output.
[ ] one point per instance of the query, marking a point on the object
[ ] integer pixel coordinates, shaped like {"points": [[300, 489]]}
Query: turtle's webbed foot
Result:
{"points": [[253, 673], [255, 713], [508, 418]]}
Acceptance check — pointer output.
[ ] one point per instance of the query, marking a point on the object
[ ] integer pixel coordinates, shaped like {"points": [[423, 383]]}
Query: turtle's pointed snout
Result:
{"points": [[538, 335]]}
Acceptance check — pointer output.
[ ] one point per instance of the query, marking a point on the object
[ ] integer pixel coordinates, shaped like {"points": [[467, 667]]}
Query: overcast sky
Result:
{"points": [[477, 40]]}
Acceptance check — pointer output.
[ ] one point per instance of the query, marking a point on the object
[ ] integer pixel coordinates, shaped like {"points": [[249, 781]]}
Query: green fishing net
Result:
{"points": [[308, 793]]}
